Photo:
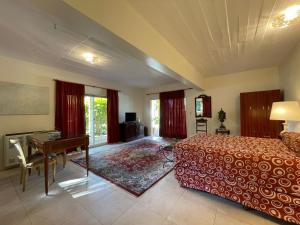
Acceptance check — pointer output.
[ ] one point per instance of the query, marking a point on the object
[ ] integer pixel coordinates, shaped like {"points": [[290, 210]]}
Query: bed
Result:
{"points": [[263, 174]]}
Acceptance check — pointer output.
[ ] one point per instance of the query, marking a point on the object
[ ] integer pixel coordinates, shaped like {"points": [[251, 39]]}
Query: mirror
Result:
{"points": [[199, 107], [203, 106]]}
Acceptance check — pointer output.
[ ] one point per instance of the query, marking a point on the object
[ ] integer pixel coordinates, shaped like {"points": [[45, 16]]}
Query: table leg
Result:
{"points": [[46, 172], [87, 159]]}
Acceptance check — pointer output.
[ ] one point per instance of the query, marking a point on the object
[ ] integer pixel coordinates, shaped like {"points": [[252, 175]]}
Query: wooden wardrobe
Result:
{"points": [[255, 114]]}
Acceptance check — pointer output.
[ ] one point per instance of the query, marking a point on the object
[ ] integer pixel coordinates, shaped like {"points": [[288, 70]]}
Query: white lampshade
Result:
{"points": [[288, 111]]}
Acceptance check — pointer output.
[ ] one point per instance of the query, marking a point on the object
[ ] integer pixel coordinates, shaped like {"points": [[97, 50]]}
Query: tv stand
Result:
{"points": [[130, 131]]}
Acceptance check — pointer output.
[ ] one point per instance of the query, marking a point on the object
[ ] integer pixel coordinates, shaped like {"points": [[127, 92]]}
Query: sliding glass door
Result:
{"points": [[155, 117], [96, 119]]}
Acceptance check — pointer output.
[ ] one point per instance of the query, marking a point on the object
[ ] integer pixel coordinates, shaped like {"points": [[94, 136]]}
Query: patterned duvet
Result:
{"points": [[262, 174]]}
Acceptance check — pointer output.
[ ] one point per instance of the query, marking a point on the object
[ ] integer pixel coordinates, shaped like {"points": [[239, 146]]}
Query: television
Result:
{"points": [[130, 116]]}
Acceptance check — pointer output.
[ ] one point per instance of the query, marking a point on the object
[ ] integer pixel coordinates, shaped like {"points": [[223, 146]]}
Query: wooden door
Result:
{"points": [[248, 114], [244, 114], [255, 114], [275, 127]]}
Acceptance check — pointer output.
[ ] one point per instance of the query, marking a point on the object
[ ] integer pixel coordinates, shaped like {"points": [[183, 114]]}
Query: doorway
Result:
{"points": [[96, 119], [155, 117]]}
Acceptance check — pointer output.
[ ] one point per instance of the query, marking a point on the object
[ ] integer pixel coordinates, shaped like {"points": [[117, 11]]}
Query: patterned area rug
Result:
{"points": [[134, 166]]}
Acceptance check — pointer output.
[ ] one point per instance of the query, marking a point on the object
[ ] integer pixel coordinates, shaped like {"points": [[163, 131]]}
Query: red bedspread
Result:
{"points": [[259, 173]]}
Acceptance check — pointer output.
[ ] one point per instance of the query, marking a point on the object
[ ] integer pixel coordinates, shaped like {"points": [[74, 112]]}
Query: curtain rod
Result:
{"points": [[163, 91], [88, 85]]}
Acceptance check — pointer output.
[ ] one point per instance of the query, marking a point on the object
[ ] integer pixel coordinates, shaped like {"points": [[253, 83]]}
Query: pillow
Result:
{"points": [[291, 140]]}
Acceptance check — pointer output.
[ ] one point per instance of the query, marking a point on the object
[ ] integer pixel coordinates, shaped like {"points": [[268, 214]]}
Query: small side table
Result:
{"points": [[163, 149], [222, 131]]}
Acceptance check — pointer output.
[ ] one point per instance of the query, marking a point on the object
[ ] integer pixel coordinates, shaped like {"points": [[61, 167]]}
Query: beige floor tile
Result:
{"points": [[171, 179], [226, 207], [82, 223], [14, 215], [5, 183], [93, 193], [189, 212], [222, 219], [161, 198], [60, 213], [110, 208], [252, 217], [9, 202], [138, 215], [209, 200], [75, 199], [34, 199]]}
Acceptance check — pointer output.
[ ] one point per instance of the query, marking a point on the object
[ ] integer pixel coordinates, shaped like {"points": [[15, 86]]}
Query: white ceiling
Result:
{"points": [[28, 32], [223, 36]]}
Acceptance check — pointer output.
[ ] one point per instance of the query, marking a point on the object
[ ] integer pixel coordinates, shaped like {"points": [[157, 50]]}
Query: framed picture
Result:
{"points": [[23, 99]]}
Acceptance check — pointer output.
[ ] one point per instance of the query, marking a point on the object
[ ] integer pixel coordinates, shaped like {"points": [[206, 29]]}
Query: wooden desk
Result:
{"points": [[46, 146]]}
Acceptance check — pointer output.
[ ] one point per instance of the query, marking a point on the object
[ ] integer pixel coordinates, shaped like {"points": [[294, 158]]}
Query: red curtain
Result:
{"points": [[172, 114], [113, 134], [69, 110]]}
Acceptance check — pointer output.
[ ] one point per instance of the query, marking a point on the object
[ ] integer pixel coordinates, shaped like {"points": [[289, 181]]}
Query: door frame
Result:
{"points": [[95, 96]]}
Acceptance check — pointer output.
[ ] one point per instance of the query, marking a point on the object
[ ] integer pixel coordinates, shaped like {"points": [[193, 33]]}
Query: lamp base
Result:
{"points": [[285, 127]]}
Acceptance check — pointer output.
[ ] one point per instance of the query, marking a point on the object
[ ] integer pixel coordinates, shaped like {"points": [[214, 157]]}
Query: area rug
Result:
{"points": [[134, 166]]}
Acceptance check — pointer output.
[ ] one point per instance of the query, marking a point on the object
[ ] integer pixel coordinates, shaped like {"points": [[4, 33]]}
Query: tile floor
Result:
{"points": [[75, 199]]}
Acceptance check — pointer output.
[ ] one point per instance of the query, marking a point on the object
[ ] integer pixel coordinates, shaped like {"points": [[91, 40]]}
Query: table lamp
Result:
{"points": [[288, 111]]}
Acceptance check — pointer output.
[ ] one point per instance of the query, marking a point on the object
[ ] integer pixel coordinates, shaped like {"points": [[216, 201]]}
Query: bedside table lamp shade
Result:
{"points": [[288, 111]]}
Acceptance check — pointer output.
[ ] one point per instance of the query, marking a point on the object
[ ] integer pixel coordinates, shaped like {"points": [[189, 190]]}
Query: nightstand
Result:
{"points": [[222, 131]]}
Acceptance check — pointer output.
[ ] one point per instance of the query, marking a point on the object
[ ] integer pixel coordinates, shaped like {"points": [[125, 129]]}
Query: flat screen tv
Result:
{"points": [[130, 116]]}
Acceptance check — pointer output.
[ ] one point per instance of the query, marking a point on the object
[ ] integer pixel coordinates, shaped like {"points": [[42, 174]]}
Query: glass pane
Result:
{"points": [[88, 102], [96, 119], [100, 120], [155, 114]]}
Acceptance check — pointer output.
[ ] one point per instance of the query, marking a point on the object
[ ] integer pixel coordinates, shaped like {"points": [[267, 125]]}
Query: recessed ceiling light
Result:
{"points": [[287, 17]]}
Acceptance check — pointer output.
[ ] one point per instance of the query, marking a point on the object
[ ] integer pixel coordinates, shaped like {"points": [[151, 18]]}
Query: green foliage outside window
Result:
{"points": [[100, 114], [156, 119]]}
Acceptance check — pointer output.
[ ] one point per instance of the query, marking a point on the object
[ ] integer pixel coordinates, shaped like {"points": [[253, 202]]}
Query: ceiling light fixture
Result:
{"points": [[91, 58], [85, 54], [287, 17]]}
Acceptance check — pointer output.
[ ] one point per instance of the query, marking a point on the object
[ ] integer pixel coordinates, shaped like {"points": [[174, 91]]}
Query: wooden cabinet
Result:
{"points": [[131, 130], [255, 114]]}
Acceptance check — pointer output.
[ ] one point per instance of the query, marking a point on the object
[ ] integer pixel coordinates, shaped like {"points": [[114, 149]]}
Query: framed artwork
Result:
{"points": [[23, 99]]}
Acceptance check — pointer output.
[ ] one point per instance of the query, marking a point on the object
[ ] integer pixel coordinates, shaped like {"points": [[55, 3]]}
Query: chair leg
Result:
{"points": [[64, 159], [24, 179], [54, 170], [39, 170], [21, 175]]}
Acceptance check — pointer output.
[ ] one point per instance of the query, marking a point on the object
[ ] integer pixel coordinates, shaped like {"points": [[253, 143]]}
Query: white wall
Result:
{"points": [[12, 70], [290, 81], [225, 92]]}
